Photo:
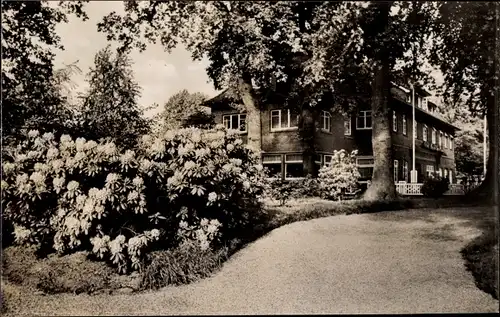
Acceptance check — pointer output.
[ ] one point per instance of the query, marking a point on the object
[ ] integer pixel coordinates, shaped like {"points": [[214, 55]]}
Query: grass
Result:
{"points": [[311, 208], [73, 273], [481, 259]]}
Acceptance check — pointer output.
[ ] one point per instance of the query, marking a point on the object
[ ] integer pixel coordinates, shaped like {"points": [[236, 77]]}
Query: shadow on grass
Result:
{"points": [[481, 257]]}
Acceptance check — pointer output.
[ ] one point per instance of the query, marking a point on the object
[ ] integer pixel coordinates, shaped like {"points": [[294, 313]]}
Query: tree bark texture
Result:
{"points": [[307, 132], [382, 184], [253, 121]]}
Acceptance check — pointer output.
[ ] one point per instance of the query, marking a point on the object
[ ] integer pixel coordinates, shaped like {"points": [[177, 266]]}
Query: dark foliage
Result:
{"points": [[435, 186]]}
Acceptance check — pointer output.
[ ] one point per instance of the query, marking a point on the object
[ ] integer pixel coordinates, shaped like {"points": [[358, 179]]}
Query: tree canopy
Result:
{"points": [[184, 109], [30, 94], [109, 107]]}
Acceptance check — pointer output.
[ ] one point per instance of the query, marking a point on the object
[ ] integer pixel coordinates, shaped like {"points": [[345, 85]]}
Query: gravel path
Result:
{"points": [[394, 262]]}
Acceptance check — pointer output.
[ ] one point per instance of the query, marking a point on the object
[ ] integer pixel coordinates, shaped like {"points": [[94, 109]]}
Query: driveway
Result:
{"points": [[393, 262]]}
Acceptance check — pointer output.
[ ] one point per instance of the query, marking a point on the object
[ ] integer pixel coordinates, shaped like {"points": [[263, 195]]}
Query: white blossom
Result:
{"points": [[38, 178], [65, 138], [8, 168], [57, 165], [189, 165], [80, 144], [138, 181], [48, 136], [73, 185], [112, 178], [52, 153], [212, 197], [33, 133], [133, 195]]}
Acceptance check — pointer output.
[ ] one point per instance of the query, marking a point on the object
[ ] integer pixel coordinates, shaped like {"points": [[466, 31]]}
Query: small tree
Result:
{"points": [[340, 177], [110, 108], [185, 109]]}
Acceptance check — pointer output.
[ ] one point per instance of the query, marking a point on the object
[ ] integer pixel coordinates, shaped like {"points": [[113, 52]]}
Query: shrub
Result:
{"points": [[282, 190], [81, 195], [184, 264], [340, 177], [435, 186]]}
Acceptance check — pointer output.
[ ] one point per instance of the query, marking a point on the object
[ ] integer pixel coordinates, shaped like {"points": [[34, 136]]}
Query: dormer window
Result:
{"points": [[424, 103]]}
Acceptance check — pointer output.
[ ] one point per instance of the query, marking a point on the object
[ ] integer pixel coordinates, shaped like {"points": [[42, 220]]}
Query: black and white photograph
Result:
{"points": [[249, 157]]}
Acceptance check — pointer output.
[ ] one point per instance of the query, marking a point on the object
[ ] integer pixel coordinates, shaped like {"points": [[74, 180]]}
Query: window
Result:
{"points": [[404, 124], [405, 171], [425, 104], [424, 133], [396, 170], [440, 172], [364, 120], [394, 121], [235, 122], [451, 143], [441, 140], [365, 167], [445, 175], [317, 160], [327, 159], [429, 170], [450, 175], [408, 98], [272, 163], [326, 121], [433, 136], [347, 126], [283, 119], [294, 167]]}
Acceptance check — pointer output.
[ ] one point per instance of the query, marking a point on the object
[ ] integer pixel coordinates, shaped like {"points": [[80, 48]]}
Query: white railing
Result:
{"points": [[409, 188], [413, 189], [455, 189]]}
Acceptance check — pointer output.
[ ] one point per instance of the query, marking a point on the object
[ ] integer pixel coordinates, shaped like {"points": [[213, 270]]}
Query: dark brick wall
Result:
{"points": [[326, 142]]}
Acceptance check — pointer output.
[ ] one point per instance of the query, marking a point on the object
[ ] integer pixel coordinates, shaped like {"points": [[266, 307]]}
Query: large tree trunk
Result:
{"points": [[307, 132], [246, 92], [382, 184], [488, 190]]}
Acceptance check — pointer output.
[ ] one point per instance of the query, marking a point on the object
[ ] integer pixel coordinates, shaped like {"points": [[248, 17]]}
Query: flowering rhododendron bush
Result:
{"points": [[187, 185], [339, 177]]}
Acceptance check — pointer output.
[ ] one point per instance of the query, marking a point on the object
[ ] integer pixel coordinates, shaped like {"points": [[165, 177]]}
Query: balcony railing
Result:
{"points": [[432, 146], [413, 189]]}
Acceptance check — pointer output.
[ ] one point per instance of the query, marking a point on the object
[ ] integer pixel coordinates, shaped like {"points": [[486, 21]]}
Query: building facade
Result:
{"points": [[282, 148]]}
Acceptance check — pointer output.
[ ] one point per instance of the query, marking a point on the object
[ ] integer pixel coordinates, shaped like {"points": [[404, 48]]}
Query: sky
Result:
{"points": [[159, 73]]}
